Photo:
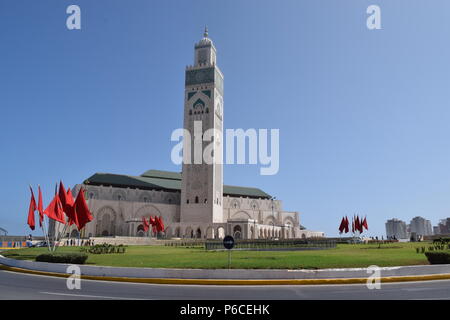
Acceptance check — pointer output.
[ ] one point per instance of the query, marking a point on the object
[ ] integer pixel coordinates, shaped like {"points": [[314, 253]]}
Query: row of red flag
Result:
{"points": [[76, 211], [156, 223], [358, 224]]}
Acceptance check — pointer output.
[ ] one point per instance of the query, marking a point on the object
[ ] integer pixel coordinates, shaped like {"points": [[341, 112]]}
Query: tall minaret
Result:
{"points": [[202, 183]]}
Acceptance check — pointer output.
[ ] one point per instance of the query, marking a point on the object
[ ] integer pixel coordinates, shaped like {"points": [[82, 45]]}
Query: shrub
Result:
{"points": [[71, 258], [438, 257], [106, 249]]}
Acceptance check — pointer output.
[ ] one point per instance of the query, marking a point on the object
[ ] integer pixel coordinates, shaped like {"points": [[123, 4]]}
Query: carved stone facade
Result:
{"points": [[119, 212]]}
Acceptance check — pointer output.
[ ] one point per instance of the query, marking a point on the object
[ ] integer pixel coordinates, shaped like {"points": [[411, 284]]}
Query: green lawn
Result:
{"points": [[344, 256]]}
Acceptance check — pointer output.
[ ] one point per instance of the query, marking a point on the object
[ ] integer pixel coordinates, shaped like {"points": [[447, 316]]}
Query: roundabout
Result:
{"points": [[25, 286], [177, 273], [344, 264]]}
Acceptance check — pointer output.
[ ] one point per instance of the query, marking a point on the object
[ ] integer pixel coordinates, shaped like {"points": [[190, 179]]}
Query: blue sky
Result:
{"points": [[363, 115]]}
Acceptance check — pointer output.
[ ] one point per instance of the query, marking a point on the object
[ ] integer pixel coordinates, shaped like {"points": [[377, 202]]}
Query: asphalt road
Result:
{"points": [[24, 286]]}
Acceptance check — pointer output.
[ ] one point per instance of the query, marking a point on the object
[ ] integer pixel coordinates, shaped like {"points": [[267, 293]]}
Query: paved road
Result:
{"points": [[24, 286]]}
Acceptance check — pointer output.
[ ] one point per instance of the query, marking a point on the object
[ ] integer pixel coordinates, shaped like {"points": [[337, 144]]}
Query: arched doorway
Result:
{"points": [[188, 233], [237, 232], [106, 224], [220, 234], [210, 233], [140, 231], [198, 233]]}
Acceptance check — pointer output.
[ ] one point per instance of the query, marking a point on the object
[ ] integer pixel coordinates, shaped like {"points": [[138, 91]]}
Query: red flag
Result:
{"points": [[69, 198], [361, 227], [40, 208], [145, 223], [31, 211], [342, 225], [70, 202], [153, 223], [67, 204], [364, 223], [62, 194], [55, 210], [159, 224], [346, 225], [82, 211], [357, 224]]}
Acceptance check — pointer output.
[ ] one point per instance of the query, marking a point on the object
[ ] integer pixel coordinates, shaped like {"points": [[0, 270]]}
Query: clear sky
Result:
{"points": [[363, 115]]}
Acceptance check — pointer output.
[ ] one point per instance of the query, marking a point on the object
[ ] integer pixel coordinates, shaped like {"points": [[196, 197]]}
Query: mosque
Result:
{"points": [[194, 203]]}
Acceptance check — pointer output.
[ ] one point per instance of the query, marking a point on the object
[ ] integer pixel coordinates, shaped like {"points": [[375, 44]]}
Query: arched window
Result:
{"points": [[187, 201], [196, 199], [206, 201]]}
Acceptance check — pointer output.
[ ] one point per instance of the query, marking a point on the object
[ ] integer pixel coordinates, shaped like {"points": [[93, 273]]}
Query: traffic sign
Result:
{"points": [[228, 242]]}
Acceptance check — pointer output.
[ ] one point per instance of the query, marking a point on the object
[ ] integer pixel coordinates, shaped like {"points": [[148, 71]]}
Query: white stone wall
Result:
{"points": [[130, 195], [119, 212]]}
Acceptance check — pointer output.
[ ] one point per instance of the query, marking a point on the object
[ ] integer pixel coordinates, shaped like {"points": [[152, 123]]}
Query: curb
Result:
{"points": [[236, 282]]}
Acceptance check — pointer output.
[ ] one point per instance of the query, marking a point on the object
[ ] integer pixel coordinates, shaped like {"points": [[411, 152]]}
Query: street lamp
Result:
{"points": [[273, 225]]}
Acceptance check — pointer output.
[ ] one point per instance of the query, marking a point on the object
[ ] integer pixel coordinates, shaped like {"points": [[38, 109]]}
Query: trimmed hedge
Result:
{"points": [[438, 257], [72, 258], [104, 249]]}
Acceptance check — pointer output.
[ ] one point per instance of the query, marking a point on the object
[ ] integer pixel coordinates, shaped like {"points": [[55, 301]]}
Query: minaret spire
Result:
{"points": [[205, 34]]}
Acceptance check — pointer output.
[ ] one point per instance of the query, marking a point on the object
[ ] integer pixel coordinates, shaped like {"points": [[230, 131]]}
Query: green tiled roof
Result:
{"points": [[162, 174], [244, 191], [164, 180]]}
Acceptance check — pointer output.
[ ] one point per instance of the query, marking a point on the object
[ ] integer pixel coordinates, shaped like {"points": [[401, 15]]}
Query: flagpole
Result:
{"points": [[60, 234], [46, 236], [43, 226], [58, 238], [55, 236]]}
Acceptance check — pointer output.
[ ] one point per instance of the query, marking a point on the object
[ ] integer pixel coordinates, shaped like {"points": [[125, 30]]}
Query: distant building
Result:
{"points": [[396, 228], [421, 226], [443, 227], [436, 230]]}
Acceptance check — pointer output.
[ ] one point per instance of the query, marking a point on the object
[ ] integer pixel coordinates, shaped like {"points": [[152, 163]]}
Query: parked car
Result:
{"points": [[40, 244]]}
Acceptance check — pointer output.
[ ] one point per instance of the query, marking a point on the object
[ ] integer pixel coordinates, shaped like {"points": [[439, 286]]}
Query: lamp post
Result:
{"points": [[273, 225]]}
